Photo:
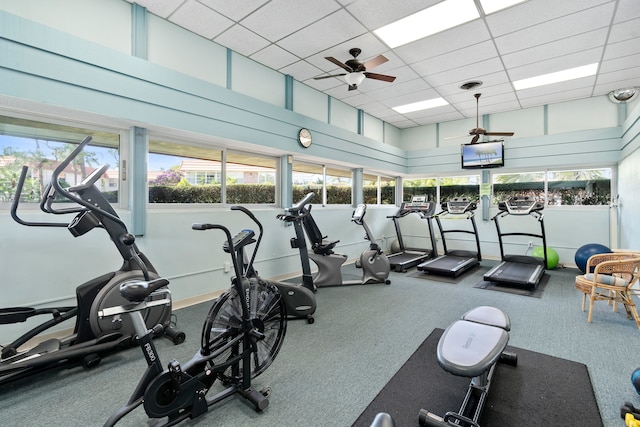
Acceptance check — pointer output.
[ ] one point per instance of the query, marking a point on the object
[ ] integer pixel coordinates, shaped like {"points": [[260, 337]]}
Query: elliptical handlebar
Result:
{"points": [[16, 202], [89, 181]]}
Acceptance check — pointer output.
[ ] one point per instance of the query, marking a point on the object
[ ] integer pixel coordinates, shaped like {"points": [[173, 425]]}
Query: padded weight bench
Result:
{"points": [[471, 347]]}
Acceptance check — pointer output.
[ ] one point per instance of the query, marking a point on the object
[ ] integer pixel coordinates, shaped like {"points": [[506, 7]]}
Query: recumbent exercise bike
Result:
{"points": [[92, 336], [241, 337]]}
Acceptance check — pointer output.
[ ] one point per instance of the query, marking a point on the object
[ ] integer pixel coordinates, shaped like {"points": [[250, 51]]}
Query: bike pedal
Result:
{"points": [[175, 372]]}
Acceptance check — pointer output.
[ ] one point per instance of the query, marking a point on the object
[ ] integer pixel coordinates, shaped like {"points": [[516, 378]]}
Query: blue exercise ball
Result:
{"points": [[586, 251], [635, 380]]}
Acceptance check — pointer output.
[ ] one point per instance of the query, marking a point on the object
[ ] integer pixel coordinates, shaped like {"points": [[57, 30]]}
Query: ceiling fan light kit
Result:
{"points": [[356, 70], [354, 78]]}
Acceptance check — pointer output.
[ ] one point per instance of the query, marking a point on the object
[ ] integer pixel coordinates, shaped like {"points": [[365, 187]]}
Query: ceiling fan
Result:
{"points": [[356, 70], [477, 131]]}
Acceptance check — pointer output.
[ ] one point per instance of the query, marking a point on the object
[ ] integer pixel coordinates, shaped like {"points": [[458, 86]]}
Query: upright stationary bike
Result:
{"points": [[242, 335], [92, 336]]}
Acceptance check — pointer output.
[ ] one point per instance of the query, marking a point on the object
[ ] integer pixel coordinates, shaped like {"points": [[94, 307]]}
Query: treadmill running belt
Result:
{"points": [[515, 273]]}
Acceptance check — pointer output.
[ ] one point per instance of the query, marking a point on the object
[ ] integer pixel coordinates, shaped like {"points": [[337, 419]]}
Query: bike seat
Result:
{"points": [[326, 247]]}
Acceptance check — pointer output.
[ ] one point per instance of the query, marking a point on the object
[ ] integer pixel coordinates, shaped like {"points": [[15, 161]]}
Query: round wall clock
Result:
{"points": [[304, 137]]}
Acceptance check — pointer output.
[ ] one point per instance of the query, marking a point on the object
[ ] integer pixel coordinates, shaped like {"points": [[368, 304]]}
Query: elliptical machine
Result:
{"points": [[92, 336], [374, 263]]}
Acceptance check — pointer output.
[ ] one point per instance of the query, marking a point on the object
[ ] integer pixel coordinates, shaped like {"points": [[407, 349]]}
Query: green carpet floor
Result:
{"points": [[328, 372]]}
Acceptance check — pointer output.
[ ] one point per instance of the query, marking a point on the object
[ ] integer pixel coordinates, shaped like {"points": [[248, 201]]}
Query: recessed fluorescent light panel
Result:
{"points": [[422, 105], [559, 76], [432, 20], [490, 6]]}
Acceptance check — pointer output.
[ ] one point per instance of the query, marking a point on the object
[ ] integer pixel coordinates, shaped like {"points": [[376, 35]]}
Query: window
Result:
{"points": [[507, 185], [337, 183], [379, 189], [563, 187], [180, 173], [419, 187], [339, 186], [41, 146], [307, 178], [579, 187], [460, 186], [250, 178]]}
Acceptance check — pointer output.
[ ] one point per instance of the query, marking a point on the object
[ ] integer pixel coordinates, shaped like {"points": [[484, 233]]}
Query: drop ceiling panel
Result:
{"points": [[567, 26], [200, 19], [241, 40], [536, 36]]}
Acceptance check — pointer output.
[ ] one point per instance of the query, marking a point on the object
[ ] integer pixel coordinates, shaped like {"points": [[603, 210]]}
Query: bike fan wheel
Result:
{"points": [[268, 315]]}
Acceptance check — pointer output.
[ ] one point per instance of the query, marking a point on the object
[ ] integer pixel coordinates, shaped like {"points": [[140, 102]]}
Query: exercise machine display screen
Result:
{"points": [[521, 206], [459, 206]]}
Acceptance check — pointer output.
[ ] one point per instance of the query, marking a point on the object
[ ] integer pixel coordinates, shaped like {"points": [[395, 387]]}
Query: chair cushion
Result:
{"points": [[606, 279]]}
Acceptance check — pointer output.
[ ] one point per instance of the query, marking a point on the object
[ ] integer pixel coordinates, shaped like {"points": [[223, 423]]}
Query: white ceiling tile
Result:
{"points": [[301, 70], [627, 9], [447, 41], [241, 40], [532, 13], [236, 9], [200, 19], [274, 57], [556, 64], [460, 58], [567, 26], [556, 48], [377, 13], [279, 18], [464, 74], [626, 30], [621, 49], [161, 8], [329, 31], [621, 64], [552, 98]]}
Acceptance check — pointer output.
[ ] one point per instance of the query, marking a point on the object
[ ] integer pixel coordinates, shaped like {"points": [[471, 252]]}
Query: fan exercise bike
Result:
{"points": [[241, 337], [92, 336]]}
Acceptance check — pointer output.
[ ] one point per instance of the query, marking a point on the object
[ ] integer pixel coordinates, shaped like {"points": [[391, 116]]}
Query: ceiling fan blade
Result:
{"points": [[499, 133], [338, 63], [382, 77], [327, 77], [475, 139], [375, 62]]}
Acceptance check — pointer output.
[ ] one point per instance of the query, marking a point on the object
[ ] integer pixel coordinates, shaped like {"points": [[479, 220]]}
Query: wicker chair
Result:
{"points": [[609, 278]]}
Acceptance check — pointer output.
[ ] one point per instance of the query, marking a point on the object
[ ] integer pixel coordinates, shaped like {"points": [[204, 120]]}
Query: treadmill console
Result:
{"points": [[521, 206], [425, 208], [459, 205]]}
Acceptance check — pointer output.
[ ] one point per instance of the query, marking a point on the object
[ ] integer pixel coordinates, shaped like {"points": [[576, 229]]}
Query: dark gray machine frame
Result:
{"points": [[454, 263], [519, 270], [407, 258]]}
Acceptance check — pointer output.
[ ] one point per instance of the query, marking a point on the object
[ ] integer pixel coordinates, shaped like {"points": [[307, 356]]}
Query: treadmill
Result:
{"points": [[454, 263], [407, 258], [519, 270]]}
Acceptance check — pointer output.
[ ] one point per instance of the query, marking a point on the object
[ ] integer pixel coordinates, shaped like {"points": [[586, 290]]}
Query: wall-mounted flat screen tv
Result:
{"points": [[482, 155]]}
